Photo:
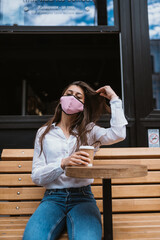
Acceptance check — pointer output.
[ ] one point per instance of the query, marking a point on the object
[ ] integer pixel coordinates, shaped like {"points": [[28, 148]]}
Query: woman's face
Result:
{"points": [[75, 91]]}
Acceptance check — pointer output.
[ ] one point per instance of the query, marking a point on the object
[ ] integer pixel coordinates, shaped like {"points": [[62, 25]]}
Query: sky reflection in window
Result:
{"points": [[154, 18], [154, 33], [52, 12], [110, 12]]}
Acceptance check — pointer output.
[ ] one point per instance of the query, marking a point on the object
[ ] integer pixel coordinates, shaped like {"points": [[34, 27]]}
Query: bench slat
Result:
{"points": [[34, 193], [126, 191], [136, 205], [120, 217], [25, 179], [135, 191], [18, 208], [152, 164], [7, 227], [26, 166], [119, 205], [16, 180], [120, 228], [147, 235], [21, 223], [140, 224], [16, 154], [138, 152], [15, 166], [152, 177], [136, 216], [19, 232]]}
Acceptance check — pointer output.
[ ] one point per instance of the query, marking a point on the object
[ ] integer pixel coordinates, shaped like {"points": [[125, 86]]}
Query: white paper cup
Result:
{"points": [[90, 151]]}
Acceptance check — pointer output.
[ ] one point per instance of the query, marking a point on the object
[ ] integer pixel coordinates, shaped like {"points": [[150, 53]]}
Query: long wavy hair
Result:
{"points": [[94, 106]]}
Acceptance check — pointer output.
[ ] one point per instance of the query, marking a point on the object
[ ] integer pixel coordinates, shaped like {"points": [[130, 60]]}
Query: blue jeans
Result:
{"points": [[74, 208]]}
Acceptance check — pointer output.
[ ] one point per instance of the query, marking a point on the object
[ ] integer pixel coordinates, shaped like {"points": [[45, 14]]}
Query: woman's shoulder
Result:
{"points": [[41, 130], [90, 126]]}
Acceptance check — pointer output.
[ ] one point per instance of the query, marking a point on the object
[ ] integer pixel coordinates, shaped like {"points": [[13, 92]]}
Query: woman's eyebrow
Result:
{"points": [[76, 92], [69, 90]]}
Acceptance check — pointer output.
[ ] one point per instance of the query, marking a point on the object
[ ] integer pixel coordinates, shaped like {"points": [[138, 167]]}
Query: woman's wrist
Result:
{"points": [[114, 97], [62, 164]]}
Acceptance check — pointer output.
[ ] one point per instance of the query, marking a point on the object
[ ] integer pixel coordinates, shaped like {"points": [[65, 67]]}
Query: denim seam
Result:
{"points": [[87, 194], [66, 198], [54, 227], [72, 223], [83, 192]]}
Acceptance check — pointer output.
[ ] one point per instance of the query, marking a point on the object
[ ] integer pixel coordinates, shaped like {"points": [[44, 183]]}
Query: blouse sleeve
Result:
{"points": [[43, 173], [117, 130]]}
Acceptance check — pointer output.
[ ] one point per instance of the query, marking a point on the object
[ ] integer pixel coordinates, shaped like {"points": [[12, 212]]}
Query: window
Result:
{"points": [[36, 68], [56, 12], [154, 33]]}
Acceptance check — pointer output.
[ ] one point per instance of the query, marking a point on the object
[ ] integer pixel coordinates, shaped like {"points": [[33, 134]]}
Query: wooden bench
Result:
{"points": [[136, 202]]}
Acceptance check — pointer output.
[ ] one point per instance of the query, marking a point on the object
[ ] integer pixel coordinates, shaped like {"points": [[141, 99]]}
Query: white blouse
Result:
{"points": [[46, 168]]}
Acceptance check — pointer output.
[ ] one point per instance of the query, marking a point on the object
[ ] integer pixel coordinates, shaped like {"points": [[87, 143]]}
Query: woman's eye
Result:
{"points": [[79, 97]]}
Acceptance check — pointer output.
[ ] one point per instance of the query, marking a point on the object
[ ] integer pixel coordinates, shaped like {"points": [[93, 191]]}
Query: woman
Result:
{"points": [[69, 201]]}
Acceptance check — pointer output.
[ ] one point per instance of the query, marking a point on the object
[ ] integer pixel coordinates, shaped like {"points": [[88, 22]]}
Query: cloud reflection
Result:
{"points": [[62, 18], [43, 14], [110, 12], [154, 18]]}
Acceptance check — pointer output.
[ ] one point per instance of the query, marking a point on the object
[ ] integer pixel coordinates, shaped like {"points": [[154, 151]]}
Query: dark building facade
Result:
{"points": [[45, 45]]}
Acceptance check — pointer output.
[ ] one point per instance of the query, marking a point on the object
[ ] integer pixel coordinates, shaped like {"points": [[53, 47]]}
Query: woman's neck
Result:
{"points": [[65, 121]]}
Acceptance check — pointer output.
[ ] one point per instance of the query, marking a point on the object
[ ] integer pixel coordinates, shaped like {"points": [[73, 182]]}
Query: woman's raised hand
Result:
{"points": [[77, 158], [107, 92]]}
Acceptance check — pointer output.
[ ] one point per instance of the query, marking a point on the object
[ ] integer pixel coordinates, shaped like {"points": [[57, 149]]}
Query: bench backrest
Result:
{"points": [[20, 196]]}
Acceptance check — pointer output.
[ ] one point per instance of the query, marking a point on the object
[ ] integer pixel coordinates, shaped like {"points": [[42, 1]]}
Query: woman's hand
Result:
{"points": [[75, 159], [107, 92]]}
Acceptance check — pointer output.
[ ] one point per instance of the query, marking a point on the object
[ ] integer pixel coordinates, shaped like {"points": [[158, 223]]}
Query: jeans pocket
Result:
{"points": [[48, 193], [88, 193]]}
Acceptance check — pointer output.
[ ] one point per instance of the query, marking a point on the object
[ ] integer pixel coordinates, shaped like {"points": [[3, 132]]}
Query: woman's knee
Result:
{"points": [[84, 221], [40, 231], [46, 221]]}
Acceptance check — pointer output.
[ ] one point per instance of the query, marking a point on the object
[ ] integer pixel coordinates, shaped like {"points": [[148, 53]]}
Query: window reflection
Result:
{"points": [[110, 12], [154, 33], [48, 13], [52, 12]]}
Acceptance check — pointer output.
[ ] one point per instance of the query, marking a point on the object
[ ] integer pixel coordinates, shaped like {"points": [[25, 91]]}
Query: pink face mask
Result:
{"points": [[71, 105]]}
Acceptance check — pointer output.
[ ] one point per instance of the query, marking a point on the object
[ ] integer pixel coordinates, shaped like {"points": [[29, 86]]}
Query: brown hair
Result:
{"points": [[94, 107]]}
